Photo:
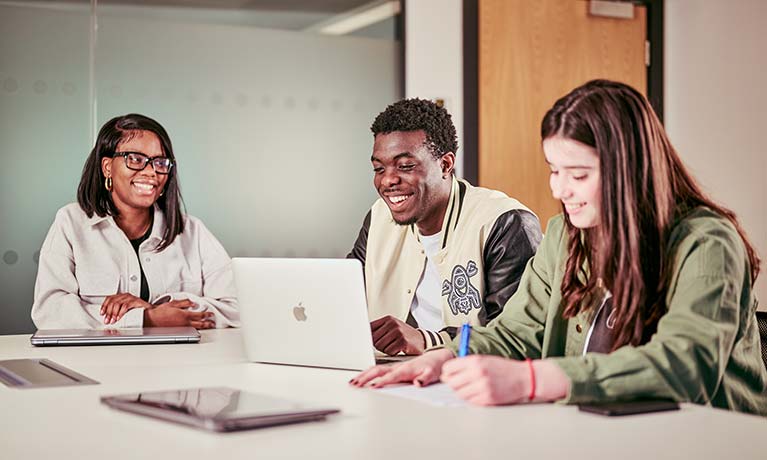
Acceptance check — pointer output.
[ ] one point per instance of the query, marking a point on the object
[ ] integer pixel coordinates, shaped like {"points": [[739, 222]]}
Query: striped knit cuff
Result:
{"points": [[433, 339]]}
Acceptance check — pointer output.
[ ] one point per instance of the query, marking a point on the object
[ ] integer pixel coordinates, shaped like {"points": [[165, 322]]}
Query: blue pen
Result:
{"points": [[463, 349]]}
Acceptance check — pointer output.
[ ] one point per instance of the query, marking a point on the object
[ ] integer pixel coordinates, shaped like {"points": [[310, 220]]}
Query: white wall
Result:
{"points": [[716, 104], [434, 57]]}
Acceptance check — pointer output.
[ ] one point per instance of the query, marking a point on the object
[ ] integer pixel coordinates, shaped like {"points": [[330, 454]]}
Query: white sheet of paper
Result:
{"points": [[438, 394]]}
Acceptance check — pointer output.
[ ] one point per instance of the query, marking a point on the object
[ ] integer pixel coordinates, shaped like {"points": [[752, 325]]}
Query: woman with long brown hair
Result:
{"points": [[642, 288]]}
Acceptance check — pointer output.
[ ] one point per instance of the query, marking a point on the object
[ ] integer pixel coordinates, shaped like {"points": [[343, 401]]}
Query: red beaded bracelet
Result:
{"points": [[532, 379]]}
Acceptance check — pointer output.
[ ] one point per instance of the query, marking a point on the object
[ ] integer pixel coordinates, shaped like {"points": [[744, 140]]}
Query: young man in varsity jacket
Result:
{"points": [[437, 251]]}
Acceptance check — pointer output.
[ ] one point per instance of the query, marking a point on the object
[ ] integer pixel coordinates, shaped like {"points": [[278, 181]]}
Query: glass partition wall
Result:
{"points": [[268, 113]]}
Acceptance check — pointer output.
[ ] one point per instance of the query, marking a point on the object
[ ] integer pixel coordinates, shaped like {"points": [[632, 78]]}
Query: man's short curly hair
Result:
{"points": [[419, 114]]}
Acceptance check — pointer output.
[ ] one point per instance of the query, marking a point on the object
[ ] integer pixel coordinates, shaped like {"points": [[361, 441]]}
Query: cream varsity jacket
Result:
{"points": [[487, 238]]}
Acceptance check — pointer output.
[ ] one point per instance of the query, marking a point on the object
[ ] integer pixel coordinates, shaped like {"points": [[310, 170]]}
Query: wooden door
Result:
{"points": [[531, 52]]}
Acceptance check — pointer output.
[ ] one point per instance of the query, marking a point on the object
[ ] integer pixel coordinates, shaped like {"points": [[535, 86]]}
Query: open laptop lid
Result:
{"points": [[147, 335], [307, 312]]}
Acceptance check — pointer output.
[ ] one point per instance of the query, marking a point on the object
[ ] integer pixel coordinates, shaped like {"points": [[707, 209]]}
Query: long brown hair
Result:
{"points": [[645, 189]]}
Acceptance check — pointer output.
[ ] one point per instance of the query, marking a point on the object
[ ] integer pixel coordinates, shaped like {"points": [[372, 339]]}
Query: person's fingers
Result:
{"points": [[460, 374], [450, 367], [119, 309], [381, 340], [196, 315], [111, 310], [400, 373], [112, 304], [106, 305], [115, 314], [458, 381], [475, 393], [384, 324], [369, 374], [114, 309], [459, 365], [382, 329], [123, 310], [427, 376], [399, 344], [474, 381], [202, 324], [374, 325], [103, 311], [200, 316], [386, 341]]}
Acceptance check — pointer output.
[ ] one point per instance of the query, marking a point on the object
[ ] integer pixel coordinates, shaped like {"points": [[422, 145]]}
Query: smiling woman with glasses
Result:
{"points": [[126, 255]]}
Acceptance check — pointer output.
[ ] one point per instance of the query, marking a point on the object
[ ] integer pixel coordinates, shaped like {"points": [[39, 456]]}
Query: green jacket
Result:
{"points": [[705, 350]]}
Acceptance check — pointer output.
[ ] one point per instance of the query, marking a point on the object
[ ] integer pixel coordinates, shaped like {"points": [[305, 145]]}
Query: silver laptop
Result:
{"points": [[147, 335], [306, 312]]}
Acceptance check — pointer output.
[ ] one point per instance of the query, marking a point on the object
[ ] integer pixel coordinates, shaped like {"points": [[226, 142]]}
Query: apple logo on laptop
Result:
{"points": [[299, 311]]}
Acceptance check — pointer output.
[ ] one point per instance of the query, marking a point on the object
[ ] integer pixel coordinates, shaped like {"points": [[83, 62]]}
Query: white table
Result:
{"points": [[70, 422]]}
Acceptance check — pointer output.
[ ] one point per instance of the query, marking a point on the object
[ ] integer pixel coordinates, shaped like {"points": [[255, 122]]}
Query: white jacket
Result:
{"points": [[84, 259]]}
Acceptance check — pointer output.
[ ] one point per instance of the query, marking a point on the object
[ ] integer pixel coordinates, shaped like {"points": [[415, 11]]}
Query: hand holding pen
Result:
{"points": [[422, 371]]}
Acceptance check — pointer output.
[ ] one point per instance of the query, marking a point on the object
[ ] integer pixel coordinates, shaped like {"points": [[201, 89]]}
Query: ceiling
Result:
{"points": [[295, 15], [313, 6]]}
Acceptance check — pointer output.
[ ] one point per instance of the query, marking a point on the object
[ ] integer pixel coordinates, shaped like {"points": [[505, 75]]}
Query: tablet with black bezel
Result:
{"points": [[217, 408]]}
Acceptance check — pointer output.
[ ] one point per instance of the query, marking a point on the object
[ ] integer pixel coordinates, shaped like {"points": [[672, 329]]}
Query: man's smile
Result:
{"points": [[397, 200]]}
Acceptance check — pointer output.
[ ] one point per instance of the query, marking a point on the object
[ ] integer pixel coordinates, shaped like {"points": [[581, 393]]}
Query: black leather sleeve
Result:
{"points": [[513, 240], [360, 246]]}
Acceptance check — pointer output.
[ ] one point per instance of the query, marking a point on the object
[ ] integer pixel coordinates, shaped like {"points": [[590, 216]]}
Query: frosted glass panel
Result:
{"points": [[44, 138], [270, 127]]}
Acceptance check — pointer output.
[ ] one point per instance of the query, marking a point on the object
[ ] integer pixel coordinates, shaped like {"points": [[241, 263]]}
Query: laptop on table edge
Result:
{"points": [[134, 336], [305, 312]]}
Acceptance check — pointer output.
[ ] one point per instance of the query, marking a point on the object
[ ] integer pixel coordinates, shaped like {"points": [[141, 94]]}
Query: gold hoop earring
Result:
{"points": [[108, 183]]}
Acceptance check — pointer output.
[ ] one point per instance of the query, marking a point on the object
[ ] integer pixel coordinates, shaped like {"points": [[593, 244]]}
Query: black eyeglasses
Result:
{"points": [[137, 161]]}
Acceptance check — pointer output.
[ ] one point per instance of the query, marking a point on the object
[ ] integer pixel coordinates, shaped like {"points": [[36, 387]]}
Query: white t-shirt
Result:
{"points": [[427, 303]]}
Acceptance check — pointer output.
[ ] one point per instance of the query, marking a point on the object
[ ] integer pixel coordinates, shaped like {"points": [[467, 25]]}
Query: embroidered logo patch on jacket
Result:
{"points": [[461, 295]]}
